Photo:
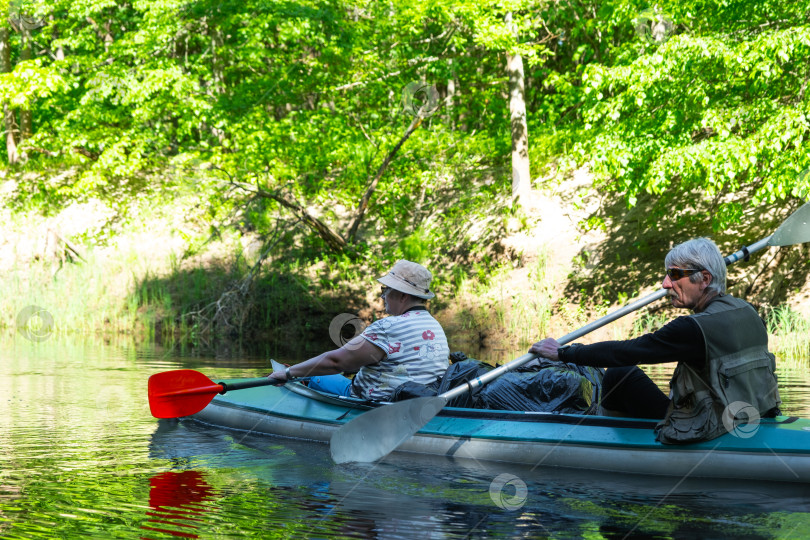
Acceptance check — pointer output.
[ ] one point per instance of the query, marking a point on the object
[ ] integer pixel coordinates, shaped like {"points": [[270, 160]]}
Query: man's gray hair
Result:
{"points": [[703, 254]]}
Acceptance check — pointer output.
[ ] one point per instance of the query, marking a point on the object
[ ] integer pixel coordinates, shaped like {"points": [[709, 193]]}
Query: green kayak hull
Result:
{"points": [[774, 449]]}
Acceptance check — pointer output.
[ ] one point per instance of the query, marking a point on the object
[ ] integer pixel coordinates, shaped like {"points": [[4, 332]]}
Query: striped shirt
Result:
{"points": [[415, 349]]}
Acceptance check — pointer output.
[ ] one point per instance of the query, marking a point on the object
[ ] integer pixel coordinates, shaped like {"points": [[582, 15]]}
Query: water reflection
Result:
{"points": [[408, 496], [176, 498], [83, 458]]}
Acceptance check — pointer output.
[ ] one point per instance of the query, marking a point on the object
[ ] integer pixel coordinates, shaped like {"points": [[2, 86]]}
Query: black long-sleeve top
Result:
{"points": [[680, 340]]}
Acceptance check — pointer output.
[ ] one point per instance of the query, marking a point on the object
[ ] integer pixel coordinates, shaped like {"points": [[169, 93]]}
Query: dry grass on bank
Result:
{"points": [[137, 282]]}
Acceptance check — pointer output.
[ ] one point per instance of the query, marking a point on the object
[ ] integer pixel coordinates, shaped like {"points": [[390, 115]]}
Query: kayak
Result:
{"points": [[774, 449]]}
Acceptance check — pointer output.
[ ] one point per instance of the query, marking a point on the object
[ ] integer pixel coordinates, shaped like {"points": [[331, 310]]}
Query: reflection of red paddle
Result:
{"points": [[171, 491], [178, 489], [183, 392]]}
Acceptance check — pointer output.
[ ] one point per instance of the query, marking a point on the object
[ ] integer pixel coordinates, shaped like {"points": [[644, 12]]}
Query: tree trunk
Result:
{"points": [[521, 177], [60, 50], [26, 127], [217, 68], [8, 114], [451, 94]]}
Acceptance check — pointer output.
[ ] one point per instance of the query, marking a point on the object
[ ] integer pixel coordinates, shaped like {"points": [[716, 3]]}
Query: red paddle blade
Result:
{"points": [[181, 392]]}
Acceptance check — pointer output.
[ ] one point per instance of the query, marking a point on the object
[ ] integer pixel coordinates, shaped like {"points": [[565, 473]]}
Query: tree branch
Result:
{"points": [[361, 209], [411, 63], [335, 242]]}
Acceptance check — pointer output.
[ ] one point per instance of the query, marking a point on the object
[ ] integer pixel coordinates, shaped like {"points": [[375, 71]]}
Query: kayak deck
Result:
{"points": [[776, 449]]}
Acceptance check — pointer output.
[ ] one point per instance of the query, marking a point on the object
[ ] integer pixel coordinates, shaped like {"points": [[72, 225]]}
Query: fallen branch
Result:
{"points": [[229, 312], [68, 250], [335, 242]]}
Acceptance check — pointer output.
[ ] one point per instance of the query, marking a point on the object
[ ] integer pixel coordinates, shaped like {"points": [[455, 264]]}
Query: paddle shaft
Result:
{"points": [[590, 327], [219, 388], [252, 383]]}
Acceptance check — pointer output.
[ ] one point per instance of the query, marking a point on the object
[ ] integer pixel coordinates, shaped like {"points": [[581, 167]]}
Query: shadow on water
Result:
{"points": [[408, 495]]}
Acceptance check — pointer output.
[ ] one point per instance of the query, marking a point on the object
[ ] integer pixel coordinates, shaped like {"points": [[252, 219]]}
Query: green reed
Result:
{"points": [[503, 310], [530, 315], [83, 296], [790, 332], [647, 322]]}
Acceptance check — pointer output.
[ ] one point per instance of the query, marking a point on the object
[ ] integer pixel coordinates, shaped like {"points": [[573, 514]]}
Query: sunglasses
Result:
{"points": [[677, 273], [384, 289]]}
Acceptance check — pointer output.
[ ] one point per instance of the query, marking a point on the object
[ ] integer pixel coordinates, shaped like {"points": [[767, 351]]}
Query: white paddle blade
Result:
{"points": [[277, 366], [795, 229], [376, 433]]}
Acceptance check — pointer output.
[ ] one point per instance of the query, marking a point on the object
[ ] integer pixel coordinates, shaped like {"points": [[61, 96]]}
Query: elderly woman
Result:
{"points": [[410, 345], [721, 349]]}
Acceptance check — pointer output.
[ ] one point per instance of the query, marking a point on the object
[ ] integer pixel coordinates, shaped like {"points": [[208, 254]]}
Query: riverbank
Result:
{"points": [[160, 274]]}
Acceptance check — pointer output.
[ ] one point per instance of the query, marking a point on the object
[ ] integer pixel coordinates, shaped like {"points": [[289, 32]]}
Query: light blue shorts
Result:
{"points": [[333, 384]]}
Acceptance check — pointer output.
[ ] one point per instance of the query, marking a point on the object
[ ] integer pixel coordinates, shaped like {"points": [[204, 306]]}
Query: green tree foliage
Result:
{"points": [[687, 101], [305, 99], [302, 100]]}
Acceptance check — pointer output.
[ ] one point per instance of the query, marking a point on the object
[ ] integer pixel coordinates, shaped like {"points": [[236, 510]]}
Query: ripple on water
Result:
{"points": [[83, 458]]}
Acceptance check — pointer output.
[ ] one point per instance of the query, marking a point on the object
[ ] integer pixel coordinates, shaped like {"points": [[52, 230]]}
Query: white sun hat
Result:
{"points": [[409, 277]]}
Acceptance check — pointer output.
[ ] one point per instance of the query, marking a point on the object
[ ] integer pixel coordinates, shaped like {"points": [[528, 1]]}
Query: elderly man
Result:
{"points": [[725, 374], [410, 345]]}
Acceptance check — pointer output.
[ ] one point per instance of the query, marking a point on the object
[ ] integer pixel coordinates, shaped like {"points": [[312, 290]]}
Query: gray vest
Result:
{"points": [[736, 385]]}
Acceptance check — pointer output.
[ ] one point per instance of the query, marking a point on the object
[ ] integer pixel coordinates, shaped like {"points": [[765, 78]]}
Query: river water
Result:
{"points": [[83, 458]]}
